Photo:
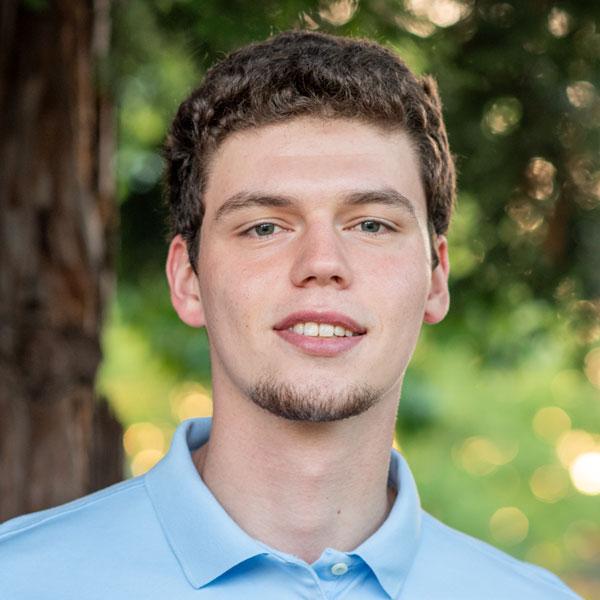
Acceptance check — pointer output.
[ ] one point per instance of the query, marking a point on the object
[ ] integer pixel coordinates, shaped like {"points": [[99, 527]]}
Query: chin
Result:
{"points": [[312, 402]]}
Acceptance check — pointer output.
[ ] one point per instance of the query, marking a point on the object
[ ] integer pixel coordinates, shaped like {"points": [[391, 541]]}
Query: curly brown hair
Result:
{"points": [[302, 73]]}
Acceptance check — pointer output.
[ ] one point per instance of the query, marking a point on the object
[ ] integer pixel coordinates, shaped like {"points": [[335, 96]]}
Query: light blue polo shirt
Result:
{"points": [[164, 536]]}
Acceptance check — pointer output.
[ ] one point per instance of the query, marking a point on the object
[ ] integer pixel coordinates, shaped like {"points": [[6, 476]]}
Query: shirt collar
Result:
{"points": [[207, 542], [205, 539], [391, 550]]}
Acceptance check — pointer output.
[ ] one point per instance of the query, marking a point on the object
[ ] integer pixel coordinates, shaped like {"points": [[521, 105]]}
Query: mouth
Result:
{"points": [[321, 333]]}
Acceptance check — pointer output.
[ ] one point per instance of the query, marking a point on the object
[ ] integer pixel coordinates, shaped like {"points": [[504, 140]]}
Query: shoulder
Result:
{"points": [[52, 551], [466, 567], [86, 509]]}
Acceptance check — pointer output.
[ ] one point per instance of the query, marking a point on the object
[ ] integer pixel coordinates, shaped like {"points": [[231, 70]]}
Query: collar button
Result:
{"points": [[339, 568]]}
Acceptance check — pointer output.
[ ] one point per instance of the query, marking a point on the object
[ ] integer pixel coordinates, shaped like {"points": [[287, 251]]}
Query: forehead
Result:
{"points": [[314, 160]]}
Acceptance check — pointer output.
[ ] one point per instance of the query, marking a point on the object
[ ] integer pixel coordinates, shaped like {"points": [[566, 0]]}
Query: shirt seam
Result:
{"points": [[131, 485]]}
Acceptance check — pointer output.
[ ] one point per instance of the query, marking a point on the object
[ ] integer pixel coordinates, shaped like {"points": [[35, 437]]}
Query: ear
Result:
{"points": [[183, 283], [438, 299]]}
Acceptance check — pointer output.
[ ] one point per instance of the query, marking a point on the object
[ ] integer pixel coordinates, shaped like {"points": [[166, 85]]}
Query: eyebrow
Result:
{"points": [[385, 196]]}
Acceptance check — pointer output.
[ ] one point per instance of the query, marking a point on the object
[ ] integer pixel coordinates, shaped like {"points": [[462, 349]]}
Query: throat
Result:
{"points": [[301, 513]]}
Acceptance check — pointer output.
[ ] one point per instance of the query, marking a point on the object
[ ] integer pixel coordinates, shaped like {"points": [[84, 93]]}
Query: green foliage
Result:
{"points": [[519, 81]]}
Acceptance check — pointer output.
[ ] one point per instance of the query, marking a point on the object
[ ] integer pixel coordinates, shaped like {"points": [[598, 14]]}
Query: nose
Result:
{"points": [[321, 259]]}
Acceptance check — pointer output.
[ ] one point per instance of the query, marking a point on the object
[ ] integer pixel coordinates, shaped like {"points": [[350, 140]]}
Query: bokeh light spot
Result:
{"points": [[479, 455], [549, 483], [525, 215], [583, 170], [540, 176], [547, 555], [559, 22], [502, 116], [509, 525], [145, 460], [143, 436], [338, 12], [308, 22], [442, 13], [415, 25], [585, 473], [573, 443], [581, 94], [551, 422], [191, 400]]}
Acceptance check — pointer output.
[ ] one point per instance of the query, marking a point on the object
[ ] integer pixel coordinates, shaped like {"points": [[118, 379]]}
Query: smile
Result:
{"points": [[315, 345], [325, 330], [325, 334]]}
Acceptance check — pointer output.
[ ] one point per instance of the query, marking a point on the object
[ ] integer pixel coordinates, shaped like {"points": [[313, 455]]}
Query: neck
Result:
{"points": [[301, 487]]}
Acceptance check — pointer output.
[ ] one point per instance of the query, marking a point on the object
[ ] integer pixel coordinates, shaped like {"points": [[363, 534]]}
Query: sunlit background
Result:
{"points": [[500, 415]]}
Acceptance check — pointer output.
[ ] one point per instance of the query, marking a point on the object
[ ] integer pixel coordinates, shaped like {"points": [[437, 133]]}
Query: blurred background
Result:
{"points": [[500, 415]]}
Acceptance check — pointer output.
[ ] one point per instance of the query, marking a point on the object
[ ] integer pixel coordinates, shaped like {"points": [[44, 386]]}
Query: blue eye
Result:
{"points": [[371, 226], [375, 227], [263, 229]]}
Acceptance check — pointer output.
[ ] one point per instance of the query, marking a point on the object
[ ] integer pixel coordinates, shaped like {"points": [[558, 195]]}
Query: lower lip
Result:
{"points": [[320, 346]]}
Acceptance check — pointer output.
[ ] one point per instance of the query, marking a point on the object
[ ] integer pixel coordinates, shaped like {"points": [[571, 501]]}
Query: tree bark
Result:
{"points": [[57, 228]]}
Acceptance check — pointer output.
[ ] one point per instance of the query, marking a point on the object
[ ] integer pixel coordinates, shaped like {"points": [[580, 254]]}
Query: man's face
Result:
{"points": [[316, 226]]}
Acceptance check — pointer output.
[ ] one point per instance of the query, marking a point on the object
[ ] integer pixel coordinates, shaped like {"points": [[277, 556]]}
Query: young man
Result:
{"points": [[310, 187]]}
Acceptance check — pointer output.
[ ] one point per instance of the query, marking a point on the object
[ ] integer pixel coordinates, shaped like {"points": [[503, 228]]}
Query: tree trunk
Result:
{"points": [[57, 226]]}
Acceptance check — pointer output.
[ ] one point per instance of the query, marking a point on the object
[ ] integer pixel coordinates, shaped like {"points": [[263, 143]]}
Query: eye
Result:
{"points": [[372, 226], [262, 230]]}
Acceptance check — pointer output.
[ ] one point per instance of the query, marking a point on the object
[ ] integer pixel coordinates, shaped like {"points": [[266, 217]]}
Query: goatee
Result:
{"points": [[312, 404]]}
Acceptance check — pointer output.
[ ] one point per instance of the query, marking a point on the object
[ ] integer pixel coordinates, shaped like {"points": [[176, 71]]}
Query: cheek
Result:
{"points": [[234, 296], [401, 285]]}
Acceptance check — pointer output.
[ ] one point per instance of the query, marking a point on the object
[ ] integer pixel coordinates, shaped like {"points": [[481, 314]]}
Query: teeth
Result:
{"points": [[321, 330], [325, 330], [311, 329]]}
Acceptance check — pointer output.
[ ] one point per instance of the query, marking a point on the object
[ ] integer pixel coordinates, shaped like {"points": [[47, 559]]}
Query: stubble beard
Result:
{"points": [[312, 404]]}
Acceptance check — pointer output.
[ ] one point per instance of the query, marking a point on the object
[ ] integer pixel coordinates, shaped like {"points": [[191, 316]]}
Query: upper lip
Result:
{"points": [[332, 318]]}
